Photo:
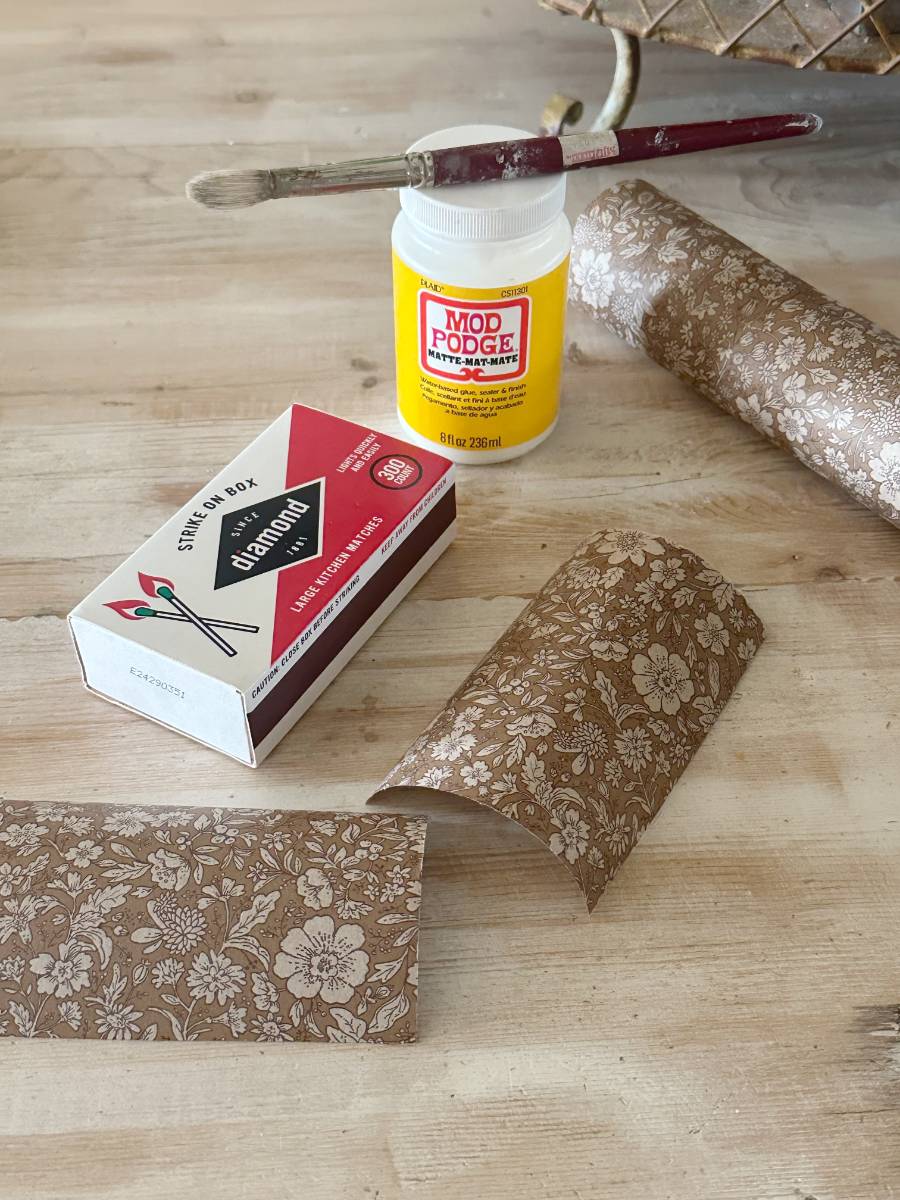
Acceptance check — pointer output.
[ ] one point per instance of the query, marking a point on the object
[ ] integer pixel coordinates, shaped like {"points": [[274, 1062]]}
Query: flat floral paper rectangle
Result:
{"points": [[128, 923], [588, 709]]}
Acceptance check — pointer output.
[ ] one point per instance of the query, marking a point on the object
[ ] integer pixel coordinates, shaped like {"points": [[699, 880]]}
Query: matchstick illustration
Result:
{"points": [[212, 622], [135, 610], [158, 585]]}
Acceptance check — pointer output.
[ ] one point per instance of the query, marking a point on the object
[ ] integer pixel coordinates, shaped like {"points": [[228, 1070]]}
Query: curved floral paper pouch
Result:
{"points": [[587, 710], [816, 378], [127, 923]]}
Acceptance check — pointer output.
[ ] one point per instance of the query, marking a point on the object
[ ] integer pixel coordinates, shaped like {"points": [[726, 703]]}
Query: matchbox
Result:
{"points": [[230, 621]]}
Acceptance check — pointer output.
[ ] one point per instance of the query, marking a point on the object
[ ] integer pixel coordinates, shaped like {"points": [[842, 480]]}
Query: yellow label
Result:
{"points": [[479, 368]]}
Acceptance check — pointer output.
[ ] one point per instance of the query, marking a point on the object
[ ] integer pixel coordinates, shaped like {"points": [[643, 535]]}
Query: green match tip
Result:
{"points": [[143, 612], [165, 592]]}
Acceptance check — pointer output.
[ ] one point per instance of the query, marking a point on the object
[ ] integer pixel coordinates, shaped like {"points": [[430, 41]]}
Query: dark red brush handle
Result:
{"points": [[571, 152], [636, 144]]}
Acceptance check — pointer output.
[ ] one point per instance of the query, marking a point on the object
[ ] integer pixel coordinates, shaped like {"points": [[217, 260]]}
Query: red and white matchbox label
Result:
{"points": [[255, 594], [473, 341]]}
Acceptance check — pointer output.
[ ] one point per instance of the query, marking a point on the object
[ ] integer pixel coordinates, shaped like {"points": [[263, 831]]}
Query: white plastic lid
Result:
{"points": [[483, 212]]}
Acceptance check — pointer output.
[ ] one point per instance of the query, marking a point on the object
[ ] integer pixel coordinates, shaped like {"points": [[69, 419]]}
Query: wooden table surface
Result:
{"points": [[726, 1025]]}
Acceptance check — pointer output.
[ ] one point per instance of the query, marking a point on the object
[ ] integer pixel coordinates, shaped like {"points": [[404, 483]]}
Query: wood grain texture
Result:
{"points": [[725, 1027]]}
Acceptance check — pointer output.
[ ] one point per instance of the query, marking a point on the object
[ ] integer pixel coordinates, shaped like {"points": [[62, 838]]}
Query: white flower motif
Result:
{"points": [[319, 960], [663, 679], [11, 968], [847, 336], [711, 633], [271, 1029], [127, 823], [234, 1019], [794, 389], [612, 771], [629, 545], [731, 269], [792, 423], [76, 826], [635, 747], [184, 930], [11, 878], [452, 746], [395, 884], [169, 870], [84, 853], [858, 481], [587, 742], [572, 839], [476, 774], [265, 993], [49, 810], [466, 720], [178, 929], [64, 975], [214, 976], [789, 352], [591, 273], [885, 469], [753, 412], [618, 834], [23, 838], [118, 1023], [19, 913], [885, 422], [669, 573], [166, 972], [314, 889], [434, 777]]}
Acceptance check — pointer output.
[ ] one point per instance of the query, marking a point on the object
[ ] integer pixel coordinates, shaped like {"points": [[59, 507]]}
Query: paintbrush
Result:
{"points": [[492, 161]]}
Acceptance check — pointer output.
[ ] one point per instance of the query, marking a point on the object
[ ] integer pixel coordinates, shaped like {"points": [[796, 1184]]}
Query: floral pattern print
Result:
{"points": [[816, 378], [188, 924], [588, 709]]}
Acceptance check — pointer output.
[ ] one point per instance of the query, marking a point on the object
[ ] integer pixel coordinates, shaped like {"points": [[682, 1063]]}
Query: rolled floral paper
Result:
{"points": [[587, 710], [130, 923], [816, 378]]}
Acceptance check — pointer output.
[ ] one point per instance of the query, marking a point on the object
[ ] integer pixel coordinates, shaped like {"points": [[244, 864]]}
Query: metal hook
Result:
{"points": [[561, 111]]}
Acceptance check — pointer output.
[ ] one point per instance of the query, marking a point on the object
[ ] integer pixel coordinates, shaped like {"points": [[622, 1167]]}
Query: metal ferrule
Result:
{"points": [[407, 170]]}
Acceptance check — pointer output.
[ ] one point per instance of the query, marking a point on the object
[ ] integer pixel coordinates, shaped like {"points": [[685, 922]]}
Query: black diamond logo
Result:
{"points": [[270, 534]]}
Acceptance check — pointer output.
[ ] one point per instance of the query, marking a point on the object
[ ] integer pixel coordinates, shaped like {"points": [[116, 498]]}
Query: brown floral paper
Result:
{"points": [[816, 378], [587, 710], [131, 923]]}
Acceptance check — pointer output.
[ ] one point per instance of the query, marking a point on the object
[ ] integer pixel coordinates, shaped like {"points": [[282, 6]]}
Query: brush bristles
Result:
{"points": [[231, 189]]}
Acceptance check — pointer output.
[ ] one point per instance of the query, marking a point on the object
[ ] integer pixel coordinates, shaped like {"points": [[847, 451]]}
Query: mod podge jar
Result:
{"points": [[480, 275]]}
